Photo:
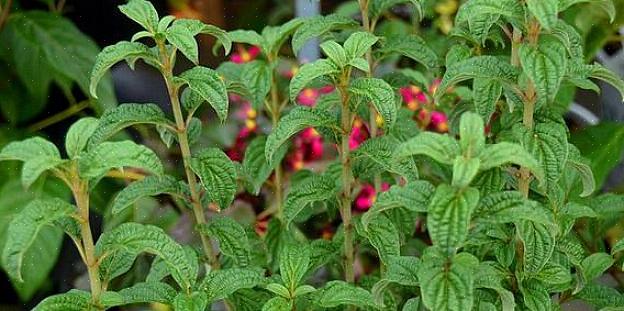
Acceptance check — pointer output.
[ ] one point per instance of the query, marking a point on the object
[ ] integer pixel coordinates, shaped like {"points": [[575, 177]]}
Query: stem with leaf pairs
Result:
{"points": [[182, 132]]}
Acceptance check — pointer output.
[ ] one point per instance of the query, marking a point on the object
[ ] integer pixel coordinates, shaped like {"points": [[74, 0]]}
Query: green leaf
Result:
{"points": [[309, 72], [595, 265], [546, 65], [220, 284], [402, 270], [112, 54], [618, 247], [483, 67], [277, 304], [195, 301], [601, 296], [376, 155], [257, 76], [142, 12], [74, 300], [232, 239], [318, 26], [255, 165], [414, 197], [358, 44], [149, 186], [246, 36], [597, 71], [217, 174], [603, 145], [585, 173], [410, 46], [449, 216], [109, 155], [383, 235], [485, 94], [316, 188], [538, 242], [123, 116], [511, 9], [536, 297], [336, 53], [118, 248], [381, 96], [296, 120], [147, 292], [38, 155], [471, 134], [606, 5], [78, 135], [208, 84], [182, 36], [275, 36], [303, 290], [25, 227], [448, 288], [509, 153], [545, 11], [340, 293], [278, 289], [413, 304], [464, 171], [377, 7], [440, 147], [509, 206], [294, 262]]}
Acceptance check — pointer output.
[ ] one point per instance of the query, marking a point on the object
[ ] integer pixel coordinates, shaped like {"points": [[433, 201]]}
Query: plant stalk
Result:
{"points": [[4, 13], [347, 179], [185, 149], [276, 110]]}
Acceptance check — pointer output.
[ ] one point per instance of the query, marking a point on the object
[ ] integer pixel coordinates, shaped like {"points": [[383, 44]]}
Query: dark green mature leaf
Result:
{"points": [[509, 153], [38, 155], [440, 147], [535, 294], [148, 292], [509, 206], [25, 227], [318, 26], [109, 155], [358, 43], [545, 11], [112, 54], [74, 300], [257, 76], [79, 134], [255, 165], [377, 7], [546, 65], [149, 186], [414, 197], [538, 241], [277, 304], [376, 155], [335, 52], [123, 116], [309, 72], [339, 293], [595, 265], [217, 174], [603, 145], [402, 270], [510, 9], [597, 71], [449, 216], [316, 188], [606, 5], [383, 235], [220, 284], [119, 247], [208, 84], [296, 120], [294, 262], [142, 12], [182, 34], [448, 288], [381, 96], [601, 296], [485, 94], [411, 46], [232, 239], [413, 304]]}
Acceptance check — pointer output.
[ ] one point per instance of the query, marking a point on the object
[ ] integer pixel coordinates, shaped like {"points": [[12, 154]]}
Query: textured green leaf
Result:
{"points": [[74, 300], [257, 76], [538, 241], [599, 72], [603, 145], [316, 188], [485, 94], [584, 171], [309, 72], [118, 248], [509, 153], [358, 43], [38, 155], [255, 165], [123, 116], [208, 84], [195, 301], [142, 12], [546, 65], [336, 53], [339, 293], [275, 36], [148, 292], [464, 171], [278, 289], [545, 11], [182, 34], [217, 174], [440, 147], [220, 284], [618, 247], [535, 294], [111, 55], [149, 186], [414, 196], [381, 96], [277, 304], [411, 46], [449, 216], [377, 7], [413, 304], [376, 155], [402, 270], [606, 5], [318, 26], [471, 134], [595, 265], [232, 239], [510, 9], [296, 120], [601, 296], [109, 155], [489, 67], [25, 227], [383, 235], [555, 275], [509, 206], [294, 262], [78, 135]]}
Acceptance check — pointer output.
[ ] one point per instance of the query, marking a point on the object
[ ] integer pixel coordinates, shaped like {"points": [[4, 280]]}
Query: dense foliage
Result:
{"points": [[456, 193]]}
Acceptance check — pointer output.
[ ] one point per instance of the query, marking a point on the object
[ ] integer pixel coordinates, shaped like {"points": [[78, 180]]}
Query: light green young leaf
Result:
{"points": [[112, 54], [545, 11], [116, 119], [414, 197], [255, 165], [296, 120], [79, 134], [464, 171], [303, 290], [413, 304], [38, 155], [538, 241], [335, 52], [164, 23], [232, 239], [208, 84], [595, 265], [509, 153], [586, 175], [471, 134], [546, 65], [25, 227], [195, 301], [384, 237], [449, 216], [316, 188], [485, 94], [149, 186], [309, 72], [257, 76], [217, 174], [411, 46], [318, 26], [606, 5], [294, 262], [377, 7], [220, 284], [182, 36], [277, 304], [275, 36], [142, 12], [597, 71], [278, 289], [509, 206], [440, 147], [358, 43], [340, 293], [381, 96], [74, 300], [109, 155], [246, 36], [360, 63]]}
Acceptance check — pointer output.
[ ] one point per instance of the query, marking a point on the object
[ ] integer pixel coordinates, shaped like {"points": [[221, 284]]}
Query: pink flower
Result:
{"points": [[308, 97], [413, 97], [367, 196], [439, 121], [359, 133], [308, 147], [245, 55]]}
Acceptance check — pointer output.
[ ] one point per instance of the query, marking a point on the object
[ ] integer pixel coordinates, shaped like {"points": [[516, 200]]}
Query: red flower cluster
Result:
{"points": [[367, 197], [419, 101], [308, 147], [243, 55], [248, 115], [359, 133]]}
